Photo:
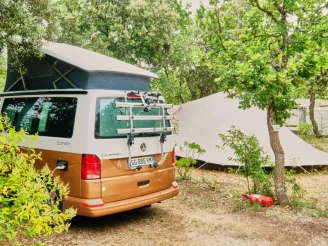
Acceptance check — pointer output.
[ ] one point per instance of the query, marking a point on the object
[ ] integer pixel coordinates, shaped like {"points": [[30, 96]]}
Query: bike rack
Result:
{"points": [[147, 103]]}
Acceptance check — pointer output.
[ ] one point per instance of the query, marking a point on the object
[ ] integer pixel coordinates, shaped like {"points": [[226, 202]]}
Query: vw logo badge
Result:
{"points": [[143, 147]]}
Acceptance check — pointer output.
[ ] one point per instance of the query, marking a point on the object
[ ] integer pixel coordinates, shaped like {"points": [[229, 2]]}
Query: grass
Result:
{"points": [[319, 143], [209, 189]]}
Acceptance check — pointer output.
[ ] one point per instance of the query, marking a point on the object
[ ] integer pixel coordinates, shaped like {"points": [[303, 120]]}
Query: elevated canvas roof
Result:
{"points": [[67, 67], [92, 61]]}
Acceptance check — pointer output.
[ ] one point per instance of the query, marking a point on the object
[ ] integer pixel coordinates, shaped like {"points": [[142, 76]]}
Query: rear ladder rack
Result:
{"points": [[147, 103]]}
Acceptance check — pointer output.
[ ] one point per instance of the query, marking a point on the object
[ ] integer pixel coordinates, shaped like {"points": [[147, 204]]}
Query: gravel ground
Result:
{"points": [[201, 215]]}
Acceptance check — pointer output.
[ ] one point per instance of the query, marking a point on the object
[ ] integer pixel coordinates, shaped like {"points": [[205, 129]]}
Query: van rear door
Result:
{"points": [[123, 179]]}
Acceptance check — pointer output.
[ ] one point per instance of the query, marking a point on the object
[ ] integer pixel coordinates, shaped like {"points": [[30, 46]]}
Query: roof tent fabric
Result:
{"points": [[65, 67], [202, 120]]}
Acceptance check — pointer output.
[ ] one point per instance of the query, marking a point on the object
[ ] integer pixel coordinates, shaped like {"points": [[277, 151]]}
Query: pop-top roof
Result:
{"points": [[92, 61]]}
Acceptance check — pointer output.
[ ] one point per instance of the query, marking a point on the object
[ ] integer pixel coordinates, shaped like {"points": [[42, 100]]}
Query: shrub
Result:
{"points": [[304, 129], [250, 154], [25, 193], [185, 164]]}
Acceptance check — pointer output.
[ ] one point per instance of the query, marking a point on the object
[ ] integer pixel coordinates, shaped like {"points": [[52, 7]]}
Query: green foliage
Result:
{"points": [[250, 154], [213, 183], [186, 75], [3, 70], [138, 31], [157, 35], [294, 187], [262, 50], [25, 202], [304, 129], [33, 22], [184, 165], [302, 202]]}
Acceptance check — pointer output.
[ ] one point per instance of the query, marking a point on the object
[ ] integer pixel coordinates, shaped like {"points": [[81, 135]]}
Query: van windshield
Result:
{"points": [[106, 124]]}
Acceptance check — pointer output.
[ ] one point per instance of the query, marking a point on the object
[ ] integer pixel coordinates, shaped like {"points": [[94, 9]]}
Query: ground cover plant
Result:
{"points": [[186, 164]]}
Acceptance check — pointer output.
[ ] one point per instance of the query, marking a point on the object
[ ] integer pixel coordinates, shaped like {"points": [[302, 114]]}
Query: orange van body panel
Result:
{"points": [[119, 206], [72, 177], [119, 188]]}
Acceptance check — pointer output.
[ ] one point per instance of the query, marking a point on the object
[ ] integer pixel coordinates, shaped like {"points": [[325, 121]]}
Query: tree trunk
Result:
{"points": [[279, 178], [311, 112]]}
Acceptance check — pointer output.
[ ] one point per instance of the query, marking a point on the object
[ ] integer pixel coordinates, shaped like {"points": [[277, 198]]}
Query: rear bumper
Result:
{"points": [[91, 207]]}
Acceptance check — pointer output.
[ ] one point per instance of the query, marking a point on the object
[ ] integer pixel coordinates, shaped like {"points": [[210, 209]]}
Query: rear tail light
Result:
{"points": [[90, 167], [175, 185], [173, 156]]}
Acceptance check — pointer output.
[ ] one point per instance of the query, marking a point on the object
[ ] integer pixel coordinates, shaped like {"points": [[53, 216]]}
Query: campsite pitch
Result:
{"points": [[208, 211]]}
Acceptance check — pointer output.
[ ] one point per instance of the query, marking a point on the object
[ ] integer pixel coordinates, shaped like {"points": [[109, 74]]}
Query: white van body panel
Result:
{"points": [[83, 140], [75, 143]]}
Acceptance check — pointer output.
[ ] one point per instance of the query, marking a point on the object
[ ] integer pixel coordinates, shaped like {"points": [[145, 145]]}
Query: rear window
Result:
{"points": [[107, 125], [47, 116]]}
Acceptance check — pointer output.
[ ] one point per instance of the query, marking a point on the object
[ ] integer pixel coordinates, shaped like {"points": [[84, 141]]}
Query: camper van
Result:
{"points": [[99, 127]]}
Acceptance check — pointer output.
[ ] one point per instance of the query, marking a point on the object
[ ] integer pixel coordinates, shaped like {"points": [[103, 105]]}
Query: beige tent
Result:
{"points": [[202, 120], [301, 114]]}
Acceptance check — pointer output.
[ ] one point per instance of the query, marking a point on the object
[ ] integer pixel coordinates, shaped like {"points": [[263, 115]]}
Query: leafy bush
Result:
{"points": [[250, 154], [25, 193], [304, 129], [185, 164]]}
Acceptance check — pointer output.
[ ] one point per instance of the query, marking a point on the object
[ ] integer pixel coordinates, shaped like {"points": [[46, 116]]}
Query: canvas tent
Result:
{"points": [[67, 67], [202, 120], [301, 114], [321, 117]]}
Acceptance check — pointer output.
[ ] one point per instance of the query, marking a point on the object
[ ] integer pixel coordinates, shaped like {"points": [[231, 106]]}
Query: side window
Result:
{"points": [[47, 116]]}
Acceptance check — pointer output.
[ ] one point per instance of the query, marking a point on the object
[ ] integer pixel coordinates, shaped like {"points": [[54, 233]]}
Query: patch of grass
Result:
{"points": [[212, 184], [302, 204], [241, 204], [320, 212], [319, 143]]}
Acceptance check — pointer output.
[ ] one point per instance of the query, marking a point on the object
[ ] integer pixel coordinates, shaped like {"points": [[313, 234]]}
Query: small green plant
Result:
{"points": [[26, 206], [250, 154], [296, 191], [304, 129], [184, 165], [213, 183]]}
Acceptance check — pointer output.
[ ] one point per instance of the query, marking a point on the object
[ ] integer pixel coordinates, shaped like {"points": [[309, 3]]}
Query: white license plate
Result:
{"points": [[141, 161]]}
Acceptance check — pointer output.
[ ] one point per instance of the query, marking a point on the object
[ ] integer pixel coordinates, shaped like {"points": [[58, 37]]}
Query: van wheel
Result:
{"points": [[54, 197]]}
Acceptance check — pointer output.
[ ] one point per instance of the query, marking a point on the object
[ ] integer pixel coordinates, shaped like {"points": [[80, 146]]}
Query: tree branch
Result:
{"points": [[269, 13], [279, 8]]}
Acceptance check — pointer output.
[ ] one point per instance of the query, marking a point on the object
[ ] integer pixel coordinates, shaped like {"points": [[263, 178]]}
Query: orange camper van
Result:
{"points": [[109, 137]]}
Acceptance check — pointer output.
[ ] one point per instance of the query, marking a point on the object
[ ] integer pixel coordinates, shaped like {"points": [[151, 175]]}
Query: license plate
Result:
{"points": [[141, 161]]}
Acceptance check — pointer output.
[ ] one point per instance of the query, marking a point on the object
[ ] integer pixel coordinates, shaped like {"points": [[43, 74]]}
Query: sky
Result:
{"points": [[196, 3]]}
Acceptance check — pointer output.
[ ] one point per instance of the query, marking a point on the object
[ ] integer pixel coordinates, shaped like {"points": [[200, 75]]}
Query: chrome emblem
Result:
{"points": [[143, 147]]}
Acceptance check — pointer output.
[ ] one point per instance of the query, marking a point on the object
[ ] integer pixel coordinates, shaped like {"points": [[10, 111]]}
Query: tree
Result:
{"points": [[186, 76], [156, 35], [255, 50], [314, 72], [25, 24], [136, 31], [3, 68]]}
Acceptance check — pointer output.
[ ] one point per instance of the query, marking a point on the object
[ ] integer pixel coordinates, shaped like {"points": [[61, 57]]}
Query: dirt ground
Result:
{"points": [[200, 215]]}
